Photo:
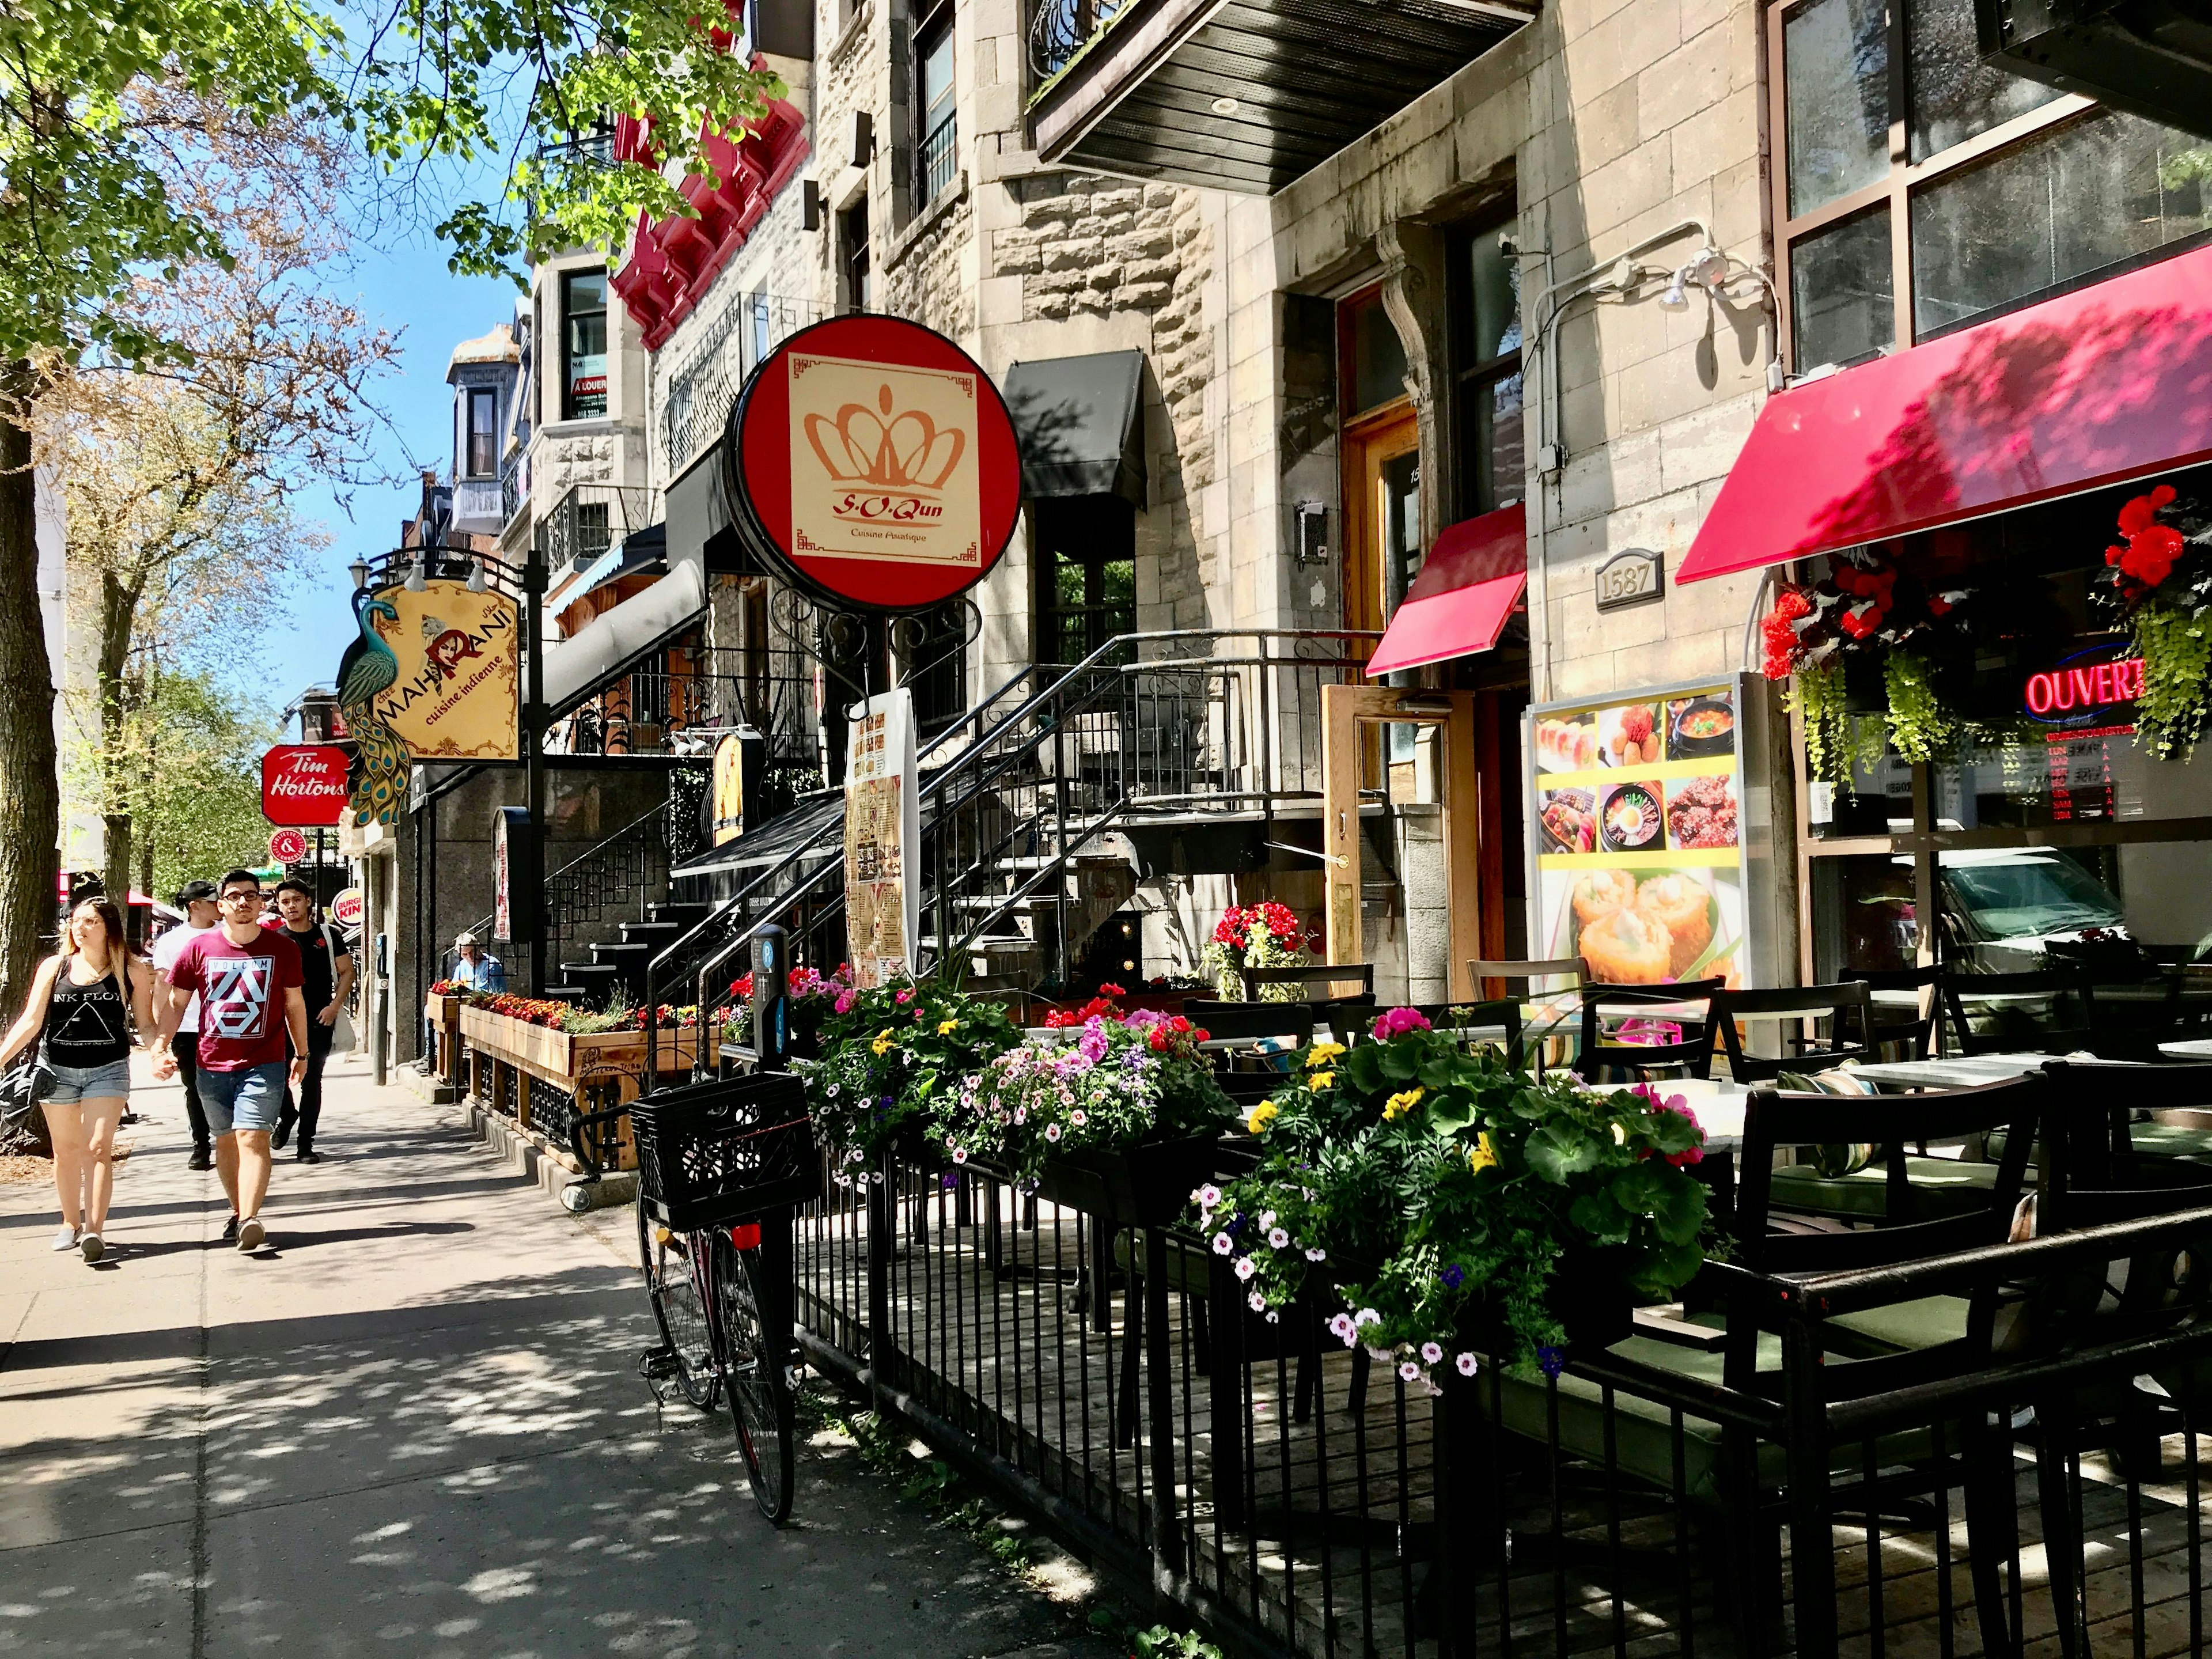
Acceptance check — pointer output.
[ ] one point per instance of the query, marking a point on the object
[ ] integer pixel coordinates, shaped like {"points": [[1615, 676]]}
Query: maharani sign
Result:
{"points": [[872, 463], [457, 694]]}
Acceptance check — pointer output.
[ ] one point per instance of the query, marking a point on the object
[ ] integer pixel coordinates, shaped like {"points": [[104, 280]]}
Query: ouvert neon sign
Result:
{"points": [[2075, 688]]}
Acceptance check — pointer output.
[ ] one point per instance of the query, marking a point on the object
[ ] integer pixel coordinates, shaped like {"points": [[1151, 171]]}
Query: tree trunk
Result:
{"points": [[30, 791], [118, 606]]}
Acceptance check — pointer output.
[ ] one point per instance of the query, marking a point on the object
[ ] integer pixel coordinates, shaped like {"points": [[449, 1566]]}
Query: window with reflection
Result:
{"points": [[1486, 346], [1983, 192]]}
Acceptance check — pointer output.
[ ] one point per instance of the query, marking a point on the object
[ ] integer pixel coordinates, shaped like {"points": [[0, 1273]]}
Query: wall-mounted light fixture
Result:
{"points": [[359, 571], [1312, 520]]}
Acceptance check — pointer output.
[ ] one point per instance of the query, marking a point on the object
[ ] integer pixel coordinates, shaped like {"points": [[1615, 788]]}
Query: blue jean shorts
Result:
{"points": [[74, 1084], [248, 1099]]}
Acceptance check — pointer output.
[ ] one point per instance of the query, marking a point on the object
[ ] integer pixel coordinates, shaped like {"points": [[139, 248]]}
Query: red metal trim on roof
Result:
{"points": [[672, 262], [2094, 388]]}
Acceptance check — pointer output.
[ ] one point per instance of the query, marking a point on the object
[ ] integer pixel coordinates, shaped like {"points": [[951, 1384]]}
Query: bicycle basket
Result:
{"points": [[712, 1153]]}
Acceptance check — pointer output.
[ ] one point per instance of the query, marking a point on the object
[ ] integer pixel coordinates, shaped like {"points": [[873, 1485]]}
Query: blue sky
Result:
{"points": [[403, 286]]}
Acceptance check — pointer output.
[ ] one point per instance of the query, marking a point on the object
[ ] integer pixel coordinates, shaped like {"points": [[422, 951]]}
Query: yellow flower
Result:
{"points": [[1484, 1153], [947, 1027], [883, 1042], [1262, 1114], [1402, 1102], [1321, 1079], [1322, 1053]]}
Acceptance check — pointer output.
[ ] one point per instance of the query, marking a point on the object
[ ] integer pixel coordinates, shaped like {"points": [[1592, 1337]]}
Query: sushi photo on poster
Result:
{"points": [[1638, 855]]}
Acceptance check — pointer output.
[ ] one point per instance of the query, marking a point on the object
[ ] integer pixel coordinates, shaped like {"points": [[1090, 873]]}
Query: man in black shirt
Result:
{"points": [[326, 970]]}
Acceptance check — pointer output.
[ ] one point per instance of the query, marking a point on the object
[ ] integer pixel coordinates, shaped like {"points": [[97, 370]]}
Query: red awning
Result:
{"points": [[2093, 388], [1469, 586]]}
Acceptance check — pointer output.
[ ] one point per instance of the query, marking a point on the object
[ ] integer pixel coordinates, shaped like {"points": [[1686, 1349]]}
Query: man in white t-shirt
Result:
{"points": [[197, 902]]}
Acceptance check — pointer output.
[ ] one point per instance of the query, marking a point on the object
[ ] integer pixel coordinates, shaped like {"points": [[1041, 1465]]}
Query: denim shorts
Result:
{"points": [[248, 1099], [76, 1084]]}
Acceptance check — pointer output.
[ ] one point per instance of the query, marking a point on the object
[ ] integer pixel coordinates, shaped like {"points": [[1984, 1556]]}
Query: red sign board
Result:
{"points": [[304, 785], [2086, 688], [288, 846], [872, 462]]}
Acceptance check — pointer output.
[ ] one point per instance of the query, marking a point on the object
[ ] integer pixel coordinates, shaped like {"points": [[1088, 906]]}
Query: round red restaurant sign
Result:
{"points": [[288, 846], [304, 785], [872, 461]]}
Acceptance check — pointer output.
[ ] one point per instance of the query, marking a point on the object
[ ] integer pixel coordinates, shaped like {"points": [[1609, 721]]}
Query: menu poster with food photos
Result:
{"points": [[1638, 856]]}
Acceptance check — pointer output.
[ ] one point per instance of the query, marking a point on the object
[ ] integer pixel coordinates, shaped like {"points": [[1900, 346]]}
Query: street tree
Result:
{"points": [[88, 206], [179, 477]]}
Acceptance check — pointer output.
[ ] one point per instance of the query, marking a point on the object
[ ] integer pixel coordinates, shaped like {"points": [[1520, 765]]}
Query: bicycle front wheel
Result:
{"points": [[672, 1277], [754, 1360]]}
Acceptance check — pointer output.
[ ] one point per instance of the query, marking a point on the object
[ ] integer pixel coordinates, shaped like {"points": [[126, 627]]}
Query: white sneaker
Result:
{"points": [[64, 1238], [250, 1233], [92, 1248]]}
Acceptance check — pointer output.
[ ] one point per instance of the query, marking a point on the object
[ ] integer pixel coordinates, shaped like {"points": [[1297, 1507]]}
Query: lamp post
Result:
{"points": [[359, 570], [533, 759]]}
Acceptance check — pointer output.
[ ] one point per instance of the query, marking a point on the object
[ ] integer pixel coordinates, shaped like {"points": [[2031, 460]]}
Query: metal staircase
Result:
{"points": [[1151, 731]]}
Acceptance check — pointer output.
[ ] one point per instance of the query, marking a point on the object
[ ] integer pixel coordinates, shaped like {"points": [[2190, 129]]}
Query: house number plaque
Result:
{"points": [[1635, 576]]}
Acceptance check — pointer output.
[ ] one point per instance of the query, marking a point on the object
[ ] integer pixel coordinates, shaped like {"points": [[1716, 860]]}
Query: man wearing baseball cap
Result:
{"points": [[477, 969], [196, 899]]}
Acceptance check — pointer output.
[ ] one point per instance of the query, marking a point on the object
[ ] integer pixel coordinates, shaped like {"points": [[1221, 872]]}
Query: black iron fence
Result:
{"points": [[1301, 1498]]}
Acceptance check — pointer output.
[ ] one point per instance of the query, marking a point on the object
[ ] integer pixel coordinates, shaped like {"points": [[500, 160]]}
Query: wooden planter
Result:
{"points": [[596, 1071], [443, 1016]]}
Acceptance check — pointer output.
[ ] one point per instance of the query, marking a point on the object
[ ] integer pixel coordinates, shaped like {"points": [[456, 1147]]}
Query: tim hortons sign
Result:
{"points": [[303, 785], [872, 463]]}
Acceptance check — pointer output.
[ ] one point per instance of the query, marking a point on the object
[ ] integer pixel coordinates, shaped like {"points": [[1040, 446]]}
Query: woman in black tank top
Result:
{"points": [[78, 1005]]}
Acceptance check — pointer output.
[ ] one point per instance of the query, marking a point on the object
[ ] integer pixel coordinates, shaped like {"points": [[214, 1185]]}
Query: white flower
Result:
{"points": [[1259, 1302], [1273, 1318], [1205, 1220], [1210, 1196], [1314, 1252], [1466, 1363], [1279, 1239], [1223, 1244], [1266, 1218], [1246, 1267], [1409, 1372], [959, 1155], [1077, 1118], [1367, 1316], [1431, 1354], [1343, 1330], [1020, 1114], [1052, 1131]]}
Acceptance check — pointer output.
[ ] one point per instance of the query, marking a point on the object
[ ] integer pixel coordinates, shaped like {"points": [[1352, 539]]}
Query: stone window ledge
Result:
{"points": [[918, 228], [854, 30]]}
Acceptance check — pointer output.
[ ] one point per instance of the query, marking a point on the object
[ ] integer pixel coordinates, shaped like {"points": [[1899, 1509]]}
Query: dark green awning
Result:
{"points": [[1081, 424]]}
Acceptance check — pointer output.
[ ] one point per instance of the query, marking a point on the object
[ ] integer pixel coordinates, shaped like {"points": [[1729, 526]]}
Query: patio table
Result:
{"points": [[1953, 1072]]}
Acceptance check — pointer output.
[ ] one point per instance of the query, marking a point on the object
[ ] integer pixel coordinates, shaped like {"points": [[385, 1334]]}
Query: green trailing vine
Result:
{"points": [[2176, 701], [1817, 697], [1920, 728]]}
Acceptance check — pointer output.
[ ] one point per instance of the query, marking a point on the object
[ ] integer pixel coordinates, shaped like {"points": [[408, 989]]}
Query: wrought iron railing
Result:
{"points": [[592, 517], [939, 157], [1026, 783], [1103, 1371], [515, 484], [1060, 29], [704, 381]]}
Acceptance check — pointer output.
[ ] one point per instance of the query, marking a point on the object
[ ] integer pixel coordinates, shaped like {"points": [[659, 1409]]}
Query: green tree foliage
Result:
{"points": [[194, 754], [93, 201]]}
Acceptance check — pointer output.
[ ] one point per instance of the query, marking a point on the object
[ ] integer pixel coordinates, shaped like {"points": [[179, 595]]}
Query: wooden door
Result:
{"points": [[1382, 510]]}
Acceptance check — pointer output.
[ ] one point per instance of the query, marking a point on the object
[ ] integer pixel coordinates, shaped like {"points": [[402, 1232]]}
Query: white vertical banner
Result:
{"points": [[883, 834]]}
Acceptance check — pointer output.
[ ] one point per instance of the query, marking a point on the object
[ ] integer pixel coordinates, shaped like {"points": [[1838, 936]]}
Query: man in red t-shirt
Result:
{"points": [[248, 980]]}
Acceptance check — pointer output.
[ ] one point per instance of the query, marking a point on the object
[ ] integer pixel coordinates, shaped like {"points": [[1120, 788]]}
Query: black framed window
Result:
{"points": [[853, 254], [480, 425], [584, 316], [1997, 192], [1084, 551], [1486, 348], [937, 125]]}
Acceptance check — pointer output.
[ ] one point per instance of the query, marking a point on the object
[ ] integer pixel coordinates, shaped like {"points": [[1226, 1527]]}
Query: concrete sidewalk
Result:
{"points": [[413, 1426]]}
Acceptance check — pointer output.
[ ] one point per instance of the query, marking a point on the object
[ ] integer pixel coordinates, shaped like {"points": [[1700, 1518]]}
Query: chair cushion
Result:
{"points": [[1947, 1186], [2170, 1141], [1928, 1323], [1643, 1428]]}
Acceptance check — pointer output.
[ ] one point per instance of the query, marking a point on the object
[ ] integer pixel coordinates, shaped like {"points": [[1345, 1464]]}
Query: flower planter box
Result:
{"points": [[597, 1071], [1147, 1185], [443, 1016]]}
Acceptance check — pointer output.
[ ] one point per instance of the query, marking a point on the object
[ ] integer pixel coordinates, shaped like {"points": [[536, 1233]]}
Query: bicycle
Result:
{"points": [[721, 1167]]}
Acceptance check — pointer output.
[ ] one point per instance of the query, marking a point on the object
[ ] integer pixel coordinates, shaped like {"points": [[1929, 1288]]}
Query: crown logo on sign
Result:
{"points": [[863, 445]]}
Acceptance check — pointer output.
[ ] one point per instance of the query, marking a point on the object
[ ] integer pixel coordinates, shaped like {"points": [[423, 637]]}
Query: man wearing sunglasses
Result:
{"points": [[248, 978]]}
